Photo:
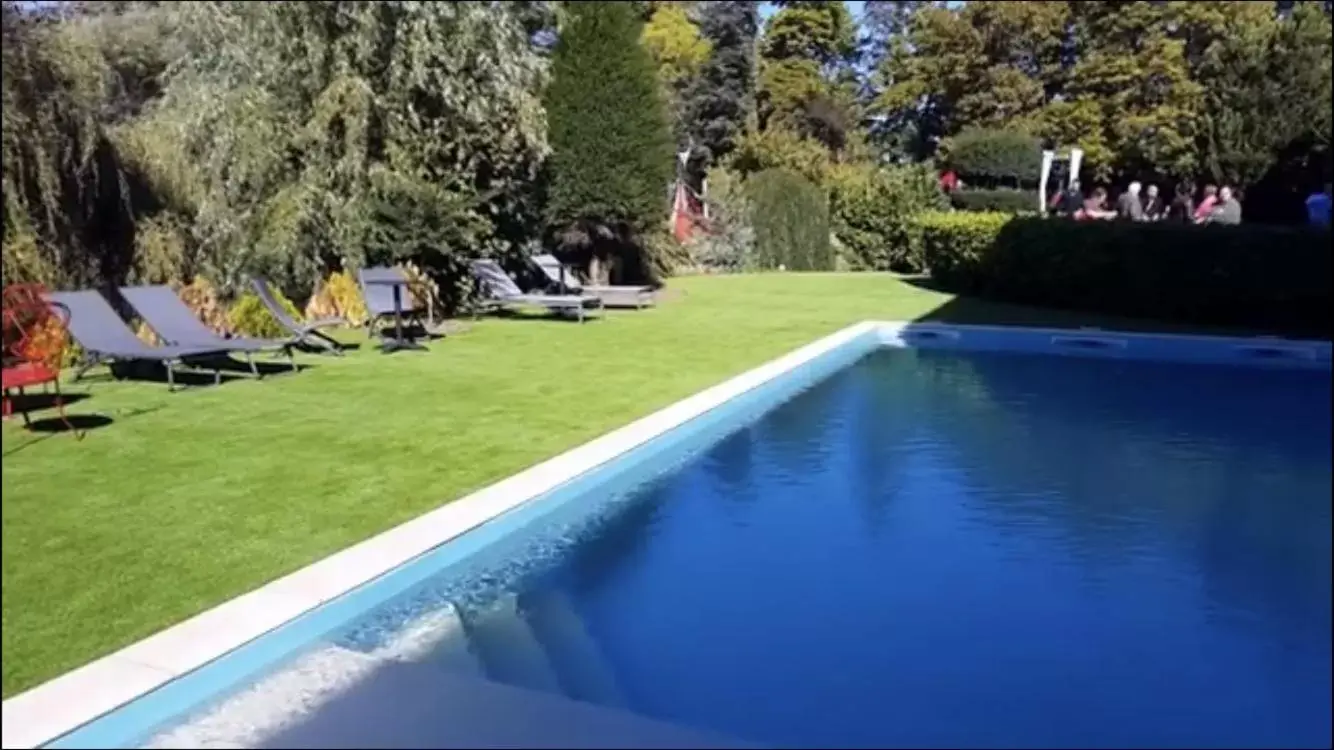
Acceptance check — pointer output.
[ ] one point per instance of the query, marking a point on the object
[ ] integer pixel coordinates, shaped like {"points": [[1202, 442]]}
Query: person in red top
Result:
{"points": [[1206, 207], [949, 181]]}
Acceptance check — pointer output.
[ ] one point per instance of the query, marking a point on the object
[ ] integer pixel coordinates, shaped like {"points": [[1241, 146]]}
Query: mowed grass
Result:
{"points": [[186, 499]]}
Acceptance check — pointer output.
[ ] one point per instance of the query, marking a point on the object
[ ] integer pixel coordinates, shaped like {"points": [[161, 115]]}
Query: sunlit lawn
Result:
{"points": [[185, 499]]}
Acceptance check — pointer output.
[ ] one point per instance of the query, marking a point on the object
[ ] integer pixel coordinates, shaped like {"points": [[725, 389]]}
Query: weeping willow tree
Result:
{"points": [[155, 141], [295, 136], [67, 201]]}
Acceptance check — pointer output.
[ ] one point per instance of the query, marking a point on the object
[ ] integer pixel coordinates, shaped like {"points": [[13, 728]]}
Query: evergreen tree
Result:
{"points": [[611, 158], [723, 96]]}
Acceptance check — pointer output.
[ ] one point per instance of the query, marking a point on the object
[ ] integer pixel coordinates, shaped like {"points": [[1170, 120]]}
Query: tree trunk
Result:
{"points": [[598, 270]]}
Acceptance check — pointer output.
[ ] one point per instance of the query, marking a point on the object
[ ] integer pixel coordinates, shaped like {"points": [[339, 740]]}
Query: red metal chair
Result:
{"points": [[35, 335]]}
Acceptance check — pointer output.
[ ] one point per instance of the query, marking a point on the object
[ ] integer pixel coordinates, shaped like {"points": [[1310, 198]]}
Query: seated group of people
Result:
{"points": [[1218, 206]]}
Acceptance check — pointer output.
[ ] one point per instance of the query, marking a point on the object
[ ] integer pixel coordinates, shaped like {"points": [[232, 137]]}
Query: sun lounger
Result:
{"points": [[500, 290], [104, 337], [303, 333], [612, 296], [176, 324]]}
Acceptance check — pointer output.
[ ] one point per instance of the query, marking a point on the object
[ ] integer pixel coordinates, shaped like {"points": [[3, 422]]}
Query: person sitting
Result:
{"points": [[1153, 204], [1317, 208], [1227, 210], [1183, 206], [1206, 207], [1128, 206], [1095, 207]]}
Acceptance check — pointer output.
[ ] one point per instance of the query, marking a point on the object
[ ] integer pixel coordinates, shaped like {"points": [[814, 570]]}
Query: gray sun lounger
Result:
{"points": [[500, 290], [612, 296], [175, 323], [303, 333], [104, 337], [380, 297]]}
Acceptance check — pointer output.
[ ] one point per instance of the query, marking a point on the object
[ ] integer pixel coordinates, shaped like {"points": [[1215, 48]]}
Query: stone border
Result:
{"points": [[61, 705]]}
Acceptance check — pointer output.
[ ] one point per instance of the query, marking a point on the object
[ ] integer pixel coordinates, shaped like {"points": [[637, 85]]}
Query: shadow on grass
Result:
{"points": [[52, 426], [976, 311], [30, 402]]}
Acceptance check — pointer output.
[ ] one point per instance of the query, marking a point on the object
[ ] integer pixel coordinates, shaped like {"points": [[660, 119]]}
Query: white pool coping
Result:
{"points": [[65, 703]]}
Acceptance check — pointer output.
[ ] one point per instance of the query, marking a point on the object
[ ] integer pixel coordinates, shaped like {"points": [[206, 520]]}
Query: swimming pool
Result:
{"points": [[967, 537]]}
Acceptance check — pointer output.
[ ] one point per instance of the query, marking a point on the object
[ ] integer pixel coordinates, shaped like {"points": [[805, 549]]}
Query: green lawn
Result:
{"points": [[186, 499]]}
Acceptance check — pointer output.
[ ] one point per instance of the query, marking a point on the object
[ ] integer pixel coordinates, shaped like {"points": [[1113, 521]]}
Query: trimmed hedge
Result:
{"points": [[1000, 199], [1272, 278], [995, 156], [791, 219]]}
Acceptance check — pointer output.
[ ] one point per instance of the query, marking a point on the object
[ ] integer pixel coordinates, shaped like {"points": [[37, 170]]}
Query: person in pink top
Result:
{"points": [[1206, 207]]}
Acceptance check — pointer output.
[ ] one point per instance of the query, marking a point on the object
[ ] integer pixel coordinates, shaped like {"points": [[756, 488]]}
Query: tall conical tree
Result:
{"points": [[611, 145]]}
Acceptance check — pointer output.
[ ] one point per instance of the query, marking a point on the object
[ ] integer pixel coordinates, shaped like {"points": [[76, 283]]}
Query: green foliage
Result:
{"points": [[67, 201], [1253, 276], [249, 317], [722, 99], [1005, 200], [728, 244], [339, 295], [283, 126], [679, 51], [791, 218], [611, 161], [954, 243], [993, 157], [807, 82], [780, 148], [873, 210]]}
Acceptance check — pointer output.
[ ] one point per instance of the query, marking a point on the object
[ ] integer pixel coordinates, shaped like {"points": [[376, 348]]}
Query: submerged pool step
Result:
{"points": [[580, 666], [508, 649]]}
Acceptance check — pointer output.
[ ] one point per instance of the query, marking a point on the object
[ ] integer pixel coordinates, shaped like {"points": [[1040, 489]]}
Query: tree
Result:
{"points": [[806, 76], [722, 98], [990, 64], [1130, 64], [284, 128], [611, 162], [679, 50]]}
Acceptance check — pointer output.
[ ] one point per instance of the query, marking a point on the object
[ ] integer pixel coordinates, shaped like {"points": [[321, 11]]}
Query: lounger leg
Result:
{"points": [[250, 359], [291, 358], [328, 342], [85, 365], [60, 407], [171, 376]]}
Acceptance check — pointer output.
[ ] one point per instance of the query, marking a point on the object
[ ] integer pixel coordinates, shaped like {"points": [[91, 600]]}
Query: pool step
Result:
{"points": [[507, 647], [438, 638], [578, 662]]}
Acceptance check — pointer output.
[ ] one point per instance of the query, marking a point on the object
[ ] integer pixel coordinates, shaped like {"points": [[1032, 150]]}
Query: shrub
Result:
{"points": [[727, 243], [791, 217], [1259, 277], [339, 295], [1007, 200], [872, 210], [423, 292], [202, 298], [249, 317], [994, 157], [954, 243]]}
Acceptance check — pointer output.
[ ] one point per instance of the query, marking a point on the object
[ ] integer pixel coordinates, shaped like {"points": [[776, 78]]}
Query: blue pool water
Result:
{"points": [[938, 549]]}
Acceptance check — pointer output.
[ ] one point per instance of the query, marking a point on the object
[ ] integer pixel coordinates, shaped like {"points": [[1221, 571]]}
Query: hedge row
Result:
{"points": [[791, 217], [998, 199], [1271, 278]]}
